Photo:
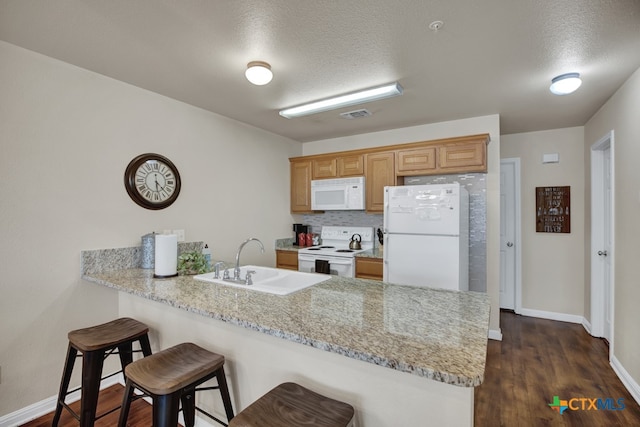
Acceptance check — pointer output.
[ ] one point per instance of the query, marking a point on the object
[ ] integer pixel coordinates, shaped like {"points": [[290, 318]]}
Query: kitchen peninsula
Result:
{"points": [[400, 355]]}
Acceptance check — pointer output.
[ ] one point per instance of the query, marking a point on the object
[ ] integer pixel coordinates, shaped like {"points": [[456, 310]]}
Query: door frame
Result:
{"points": [[597, 237], [518, 232]]}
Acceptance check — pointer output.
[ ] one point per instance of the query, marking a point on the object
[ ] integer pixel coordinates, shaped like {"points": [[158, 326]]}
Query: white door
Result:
{"points": [[606, 251], [602, 239], [508, 234]]}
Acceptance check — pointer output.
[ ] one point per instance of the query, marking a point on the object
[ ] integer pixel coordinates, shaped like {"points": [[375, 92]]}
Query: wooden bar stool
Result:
{"points": [[171, 376], [96, 343], [291, 405]]}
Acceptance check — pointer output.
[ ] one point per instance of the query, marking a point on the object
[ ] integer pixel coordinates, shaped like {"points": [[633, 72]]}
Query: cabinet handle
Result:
{"points": [[509, 244], [602, 253]]}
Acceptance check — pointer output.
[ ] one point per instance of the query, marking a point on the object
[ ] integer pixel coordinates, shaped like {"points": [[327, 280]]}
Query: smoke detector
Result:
{"points": [[355, 114], [435, 26]]}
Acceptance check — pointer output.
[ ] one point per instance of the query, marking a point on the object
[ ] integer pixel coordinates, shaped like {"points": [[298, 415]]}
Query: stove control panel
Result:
{"points": [[345, 233]]}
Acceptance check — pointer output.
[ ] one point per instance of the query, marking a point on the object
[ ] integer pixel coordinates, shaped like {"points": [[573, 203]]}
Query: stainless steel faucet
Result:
{"points": [[216, 269], [236, 270]]}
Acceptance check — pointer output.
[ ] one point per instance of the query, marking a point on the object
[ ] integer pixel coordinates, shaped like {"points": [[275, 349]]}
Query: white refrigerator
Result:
{"points": [[426, 236]]}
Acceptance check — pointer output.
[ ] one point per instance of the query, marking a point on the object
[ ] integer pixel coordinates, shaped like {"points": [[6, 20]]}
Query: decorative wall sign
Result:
{"points": [[552, 209]]}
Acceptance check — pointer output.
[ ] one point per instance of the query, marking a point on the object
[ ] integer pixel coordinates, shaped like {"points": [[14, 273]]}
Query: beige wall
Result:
{"points": [[66, 136], [472, 126], [620, 114], [552, 264]]}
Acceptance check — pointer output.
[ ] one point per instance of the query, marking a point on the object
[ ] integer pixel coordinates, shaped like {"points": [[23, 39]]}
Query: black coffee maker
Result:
{"points": [[297, 229]]}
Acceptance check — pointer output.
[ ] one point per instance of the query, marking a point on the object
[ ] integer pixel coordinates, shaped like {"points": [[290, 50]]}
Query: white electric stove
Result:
{"points": [[334, 256]]}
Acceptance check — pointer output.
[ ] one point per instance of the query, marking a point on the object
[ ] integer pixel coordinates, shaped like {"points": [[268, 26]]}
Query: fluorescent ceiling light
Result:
{"points": [[367, 95], [565, 84], [258, 72]]}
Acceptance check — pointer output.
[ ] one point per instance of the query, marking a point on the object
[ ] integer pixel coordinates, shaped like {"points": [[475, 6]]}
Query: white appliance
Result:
{"points": [[333, 256], [426, 236], [337, 194]]}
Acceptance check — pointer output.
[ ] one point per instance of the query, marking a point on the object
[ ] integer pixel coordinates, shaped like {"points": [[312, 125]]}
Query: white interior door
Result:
{"points": [[508, 242], [604, 254], [602, 239]]}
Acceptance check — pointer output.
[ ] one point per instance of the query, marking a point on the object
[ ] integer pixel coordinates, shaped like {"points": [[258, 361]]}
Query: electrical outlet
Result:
{"points": [[180, 234]]}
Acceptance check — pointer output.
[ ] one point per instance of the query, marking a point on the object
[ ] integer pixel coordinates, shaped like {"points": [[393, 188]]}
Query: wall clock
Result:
{"points": [[152, 181]]}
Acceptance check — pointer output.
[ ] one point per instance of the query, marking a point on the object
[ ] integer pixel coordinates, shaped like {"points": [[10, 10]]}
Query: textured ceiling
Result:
{"points": [[490, 57]]}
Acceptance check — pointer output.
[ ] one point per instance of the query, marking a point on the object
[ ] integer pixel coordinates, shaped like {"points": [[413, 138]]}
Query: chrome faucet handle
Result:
{"points": [[216, 269], [247, 280]]}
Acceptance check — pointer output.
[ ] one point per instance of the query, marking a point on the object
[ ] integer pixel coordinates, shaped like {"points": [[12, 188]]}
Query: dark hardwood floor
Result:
{"points": [[536, 360], [139, 415], [539, 359]]}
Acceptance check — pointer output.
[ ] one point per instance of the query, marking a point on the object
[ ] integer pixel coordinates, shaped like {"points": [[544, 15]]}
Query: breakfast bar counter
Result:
{"points": [[400, 355]]}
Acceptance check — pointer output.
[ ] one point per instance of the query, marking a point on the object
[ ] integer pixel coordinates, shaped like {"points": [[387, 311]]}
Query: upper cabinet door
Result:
{"points": [[464, 157], [300, 186], [351, 165], [379, 172], [325, 168], [416, 161]]}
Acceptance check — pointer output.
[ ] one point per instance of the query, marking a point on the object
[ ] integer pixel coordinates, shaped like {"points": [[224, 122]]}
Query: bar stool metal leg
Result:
{"points": [[92, 363], [189, 406], [224, 391], [165, 410], [126, 403], [64, 383]]}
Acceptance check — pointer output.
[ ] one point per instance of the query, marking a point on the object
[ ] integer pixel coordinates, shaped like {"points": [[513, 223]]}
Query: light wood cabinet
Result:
{"points": [[300, 185], [351, 165], [325, 168], [379, 172], [287, 259], [387, 165], [416, 162], [337, 167], [369, 268], [463, 157]]}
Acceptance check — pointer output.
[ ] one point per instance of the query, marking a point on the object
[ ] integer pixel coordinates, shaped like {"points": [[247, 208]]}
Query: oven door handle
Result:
{"points": [[338, 261], [347, 261]]}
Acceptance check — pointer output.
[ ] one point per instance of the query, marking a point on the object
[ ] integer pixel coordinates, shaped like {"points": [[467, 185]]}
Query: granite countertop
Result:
{"points": [[433, 333]]}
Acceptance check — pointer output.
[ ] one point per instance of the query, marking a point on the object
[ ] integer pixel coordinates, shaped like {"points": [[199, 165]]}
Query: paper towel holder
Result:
{"points": [[166, 256]]}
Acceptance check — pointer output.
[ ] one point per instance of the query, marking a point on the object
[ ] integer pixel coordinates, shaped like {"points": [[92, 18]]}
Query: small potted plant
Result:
{"points": [[191, 263]]}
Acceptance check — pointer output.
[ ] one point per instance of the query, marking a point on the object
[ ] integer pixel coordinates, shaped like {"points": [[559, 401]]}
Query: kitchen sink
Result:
{"points": [[275, 281]]}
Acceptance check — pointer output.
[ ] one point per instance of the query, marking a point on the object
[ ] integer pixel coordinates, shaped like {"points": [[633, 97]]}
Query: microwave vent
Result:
{"points": [[355, 114]]}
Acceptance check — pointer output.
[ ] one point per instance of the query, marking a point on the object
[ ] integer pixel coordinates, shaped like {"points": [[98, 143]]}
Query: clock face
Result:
{"points": [[152, 181]]}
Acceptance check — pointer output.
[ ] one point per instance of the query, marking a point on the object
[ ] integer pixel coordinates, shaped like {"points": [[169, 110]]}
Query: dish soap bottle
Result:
{"points": [[207, 256]]}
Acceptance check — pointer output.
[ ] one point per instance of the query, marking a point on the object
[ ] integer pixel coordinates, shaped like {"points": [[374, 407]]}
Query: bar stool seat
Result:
{"points": [[171, 376], [97, 343], [291, 405]]}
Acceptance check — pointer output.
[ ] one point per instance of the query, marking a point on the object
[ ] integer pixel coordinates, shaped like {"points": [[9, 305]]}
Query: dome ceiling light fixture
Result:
{"points": [[565, 84], [354, 98], [258, 72]]}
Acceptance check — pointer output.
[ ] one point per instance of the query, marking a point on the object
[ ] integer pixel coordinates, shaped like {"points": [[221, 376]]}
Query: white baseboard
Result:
{"points": [[47, 405], [552, 315], [495, 334], [562, 317], [630, 384]]}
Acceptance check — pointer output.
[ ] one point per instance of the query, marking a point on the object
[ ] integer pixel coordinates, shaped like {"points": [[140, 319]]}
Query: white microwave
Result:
{"points": [[337, 194]]}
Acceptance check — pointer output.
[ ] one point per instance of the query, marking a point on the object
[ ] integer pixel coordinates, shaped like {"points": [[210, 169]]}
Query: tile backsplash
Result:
{"points": [[475, 183]]}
